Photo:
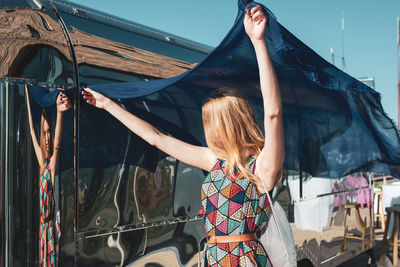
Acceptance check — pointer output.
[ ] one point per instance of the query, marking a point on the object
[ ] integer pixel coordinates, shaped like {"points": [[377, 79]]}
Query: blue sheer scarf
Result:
{"points": [[334, 124]]}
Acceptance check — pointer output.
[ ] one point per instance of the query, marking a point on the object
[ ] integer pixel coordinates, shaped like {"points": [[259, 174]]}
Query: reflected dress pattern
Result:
{"points": [[46, 243], [232, 205]]}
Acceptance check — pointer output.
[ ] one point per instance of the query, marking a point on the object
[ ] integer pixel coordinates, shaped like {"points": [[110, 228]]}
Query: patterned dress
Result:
{"points": [[46, 242], [232, 205]]}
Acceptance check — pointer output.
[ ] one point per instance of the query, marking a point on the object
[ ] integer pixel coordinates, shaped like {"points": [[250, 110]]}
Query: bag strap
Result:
{"points": [[272, 210], [199, 250]]}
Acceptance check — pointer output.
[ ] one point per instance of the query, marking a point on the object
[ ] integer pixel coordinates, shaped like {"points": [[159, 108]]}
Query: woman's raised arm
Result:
{"points": [[63, 104], [35, 142], [197, 156], [271, 157]]}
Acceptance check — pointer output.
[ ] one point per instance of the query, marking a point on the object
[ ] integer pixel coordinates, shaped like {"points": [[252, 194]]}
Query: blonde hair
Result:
{"points": [[231, 130], [44, 117]]}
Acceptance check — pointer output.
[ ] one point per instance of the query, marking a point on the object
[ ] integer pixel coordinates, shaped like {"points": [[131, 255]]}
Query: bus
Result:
{"points": [[120, 201]]}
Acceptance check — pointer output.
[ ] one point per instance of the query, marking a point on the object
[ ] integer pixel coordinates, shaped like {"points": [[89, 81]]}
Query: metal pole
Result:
{"points": [[343, 64], [76, 131], [398, 72]]}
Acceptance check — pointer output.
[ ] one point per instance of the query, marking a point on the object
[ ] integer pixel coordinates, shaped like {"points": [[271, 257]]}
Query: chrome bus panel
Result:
{"points": [[135, 193], [131, 34], [30, 39], [134, 227], [125, 247], [140, 197]]}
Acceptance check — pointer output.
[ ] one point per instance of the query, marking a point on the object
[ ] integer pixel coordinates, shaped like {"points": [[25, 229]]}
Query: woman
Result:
{"points": [[233, 198], [47, 156]]}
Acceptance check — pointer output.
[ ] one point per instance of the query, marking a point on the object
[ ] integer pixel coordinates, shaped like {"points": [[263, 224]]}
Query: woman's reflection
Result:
{"points": [[47, 155]]}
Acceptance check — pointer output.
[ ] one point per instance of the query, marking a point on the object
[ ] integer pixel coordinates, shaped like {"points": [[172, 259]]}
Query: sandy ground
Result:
{"points": [[363, 259]]}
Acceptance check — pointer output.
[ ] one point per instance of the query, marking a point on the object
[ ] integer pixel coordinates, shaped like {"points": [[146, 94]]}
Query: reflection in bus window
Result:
{"points": [[46, 151]]}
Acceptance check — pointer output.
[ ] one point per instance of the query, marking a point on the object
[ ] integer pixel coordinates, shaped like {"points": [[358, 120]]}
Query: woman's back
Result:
{"points": [[233, 206]]}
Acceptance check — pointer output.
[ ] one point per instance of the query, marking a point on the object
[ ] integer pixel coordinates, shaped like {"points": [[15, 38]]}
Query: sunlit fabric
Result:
{"points": [[334, 124]]}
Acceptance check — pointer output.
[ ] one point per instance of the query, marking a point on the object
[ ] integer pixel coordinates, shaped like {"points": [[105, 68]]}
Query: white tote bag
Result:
{"points": [[277, 237]]}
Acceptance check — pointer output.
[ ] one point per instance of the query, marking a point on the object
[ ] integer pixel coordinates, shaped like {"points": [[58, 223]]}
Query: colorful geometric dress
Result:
{"points": [[47, 205], [232, 205]]}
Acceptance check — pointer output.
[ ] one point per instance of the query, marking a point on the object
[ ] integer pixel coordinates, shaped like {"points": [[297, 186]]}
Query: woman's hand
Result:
{"points": [[63, 102], [96, 99], [254, 23]]}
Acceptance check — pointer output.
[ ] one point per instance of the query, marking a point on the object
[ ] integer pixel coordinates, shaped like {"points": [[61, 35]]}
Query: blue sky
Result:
{"points": [[370, 29]]}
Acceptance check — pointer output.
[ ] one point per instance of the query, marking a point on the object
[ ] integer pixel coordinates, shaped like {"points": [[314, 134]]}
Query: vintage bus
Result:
{"points": [[122, 202]]}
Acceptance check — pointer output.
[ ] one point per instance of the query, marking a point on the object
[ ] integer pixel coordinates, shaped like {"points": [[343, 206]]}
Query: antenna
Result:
{"points": [[333, 56], [398, 72], [343, 63]]}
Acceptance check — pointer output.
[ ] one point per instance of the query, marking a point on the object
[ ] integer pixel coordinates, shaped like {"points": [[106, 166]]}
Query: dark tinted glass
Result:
{"points": [[21, 175], [14, 3], [2, 169]]}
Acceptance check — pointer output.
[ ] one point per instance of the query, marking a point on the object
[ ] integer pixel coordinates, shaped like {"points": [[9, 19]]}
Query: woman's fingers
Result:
{"points": [[247, 14], [254, 14], [62, 98], [255, 9], [258, 16], [87, 96], [94, 98], [87, 90]]}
